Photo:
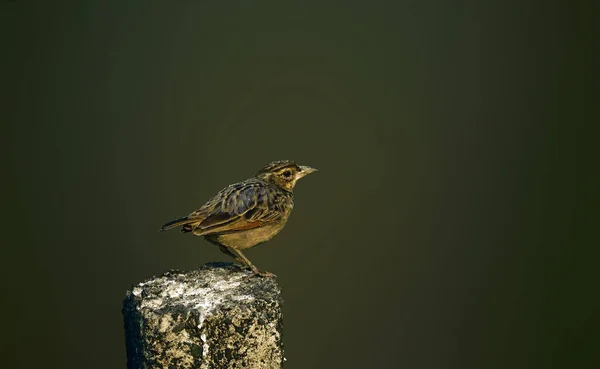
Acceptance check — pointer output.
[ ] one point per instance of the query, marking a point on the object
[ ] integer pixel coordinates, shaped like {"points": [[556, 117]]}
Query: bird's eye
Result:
{"points": [[287, 174]]}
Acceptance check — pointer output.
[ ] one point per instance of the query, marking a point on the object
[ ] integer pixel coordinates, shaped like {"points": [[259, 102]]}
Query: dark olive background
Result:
{"points": [[447, 225]]}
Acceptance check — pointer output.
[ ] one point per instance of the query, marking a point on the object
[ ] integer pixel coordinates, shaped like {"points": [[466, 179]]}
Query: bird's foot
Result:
{"points": [[265, 274], [257, 272]]}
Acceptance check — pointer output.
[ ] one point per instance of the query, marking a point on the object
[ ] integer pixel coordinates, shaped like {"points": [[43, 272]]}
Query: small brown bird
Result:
{"points": [[248, 213]]}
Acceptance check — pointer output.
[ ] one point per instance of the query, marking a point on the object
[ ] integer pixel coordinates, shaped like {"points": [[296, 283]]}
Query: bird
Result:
{"points": [[248, 213]]}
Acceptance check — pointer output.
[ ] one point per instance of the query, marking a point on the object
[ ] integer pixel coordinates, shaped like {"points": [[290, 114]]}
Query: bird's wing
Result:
{"points": [[236, 208]]}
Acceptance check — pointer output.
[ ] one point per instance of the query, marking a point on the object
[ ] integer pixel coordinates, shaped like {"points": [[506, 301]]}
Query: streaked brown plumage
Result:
{"points": [[245, 214]]}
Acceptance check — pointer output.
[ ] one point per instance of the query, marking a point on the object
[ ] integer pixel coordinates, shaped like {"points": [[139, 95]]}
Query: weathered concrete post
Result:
{"points": [[213, 317]]}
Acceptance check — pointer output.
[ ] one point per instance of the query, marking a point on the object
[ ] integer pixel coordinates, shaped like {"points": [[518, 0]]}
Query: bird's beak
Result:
{"points": [[304, 170]]}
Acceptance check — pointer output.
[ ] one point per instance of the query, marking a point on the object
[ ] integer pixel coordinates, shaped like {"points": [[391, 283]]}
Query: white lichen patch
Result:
{"points": [[189, 293], [205, 345]]}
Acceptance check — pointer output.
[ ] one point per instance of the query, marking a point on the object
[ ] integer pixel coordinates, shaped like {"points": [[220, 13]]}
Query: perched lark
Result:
{"points": [[245, 214]]}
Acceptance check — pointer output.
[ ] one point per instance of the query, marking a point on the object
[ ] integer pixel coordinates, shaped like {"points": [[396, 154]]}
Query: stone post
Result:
{"points": [[214, 317]]}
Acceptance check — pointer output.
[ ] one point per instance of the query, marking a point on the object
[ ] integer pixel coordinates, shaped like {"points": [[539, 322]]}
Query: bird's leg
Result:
{"points": [[226, 251], [255, 270], [244, 260]]}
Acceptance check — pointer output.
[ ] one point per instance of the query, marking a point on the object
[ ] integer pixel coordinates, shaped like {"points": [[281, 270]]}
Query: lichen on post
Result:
{"points": [[214, 317]]}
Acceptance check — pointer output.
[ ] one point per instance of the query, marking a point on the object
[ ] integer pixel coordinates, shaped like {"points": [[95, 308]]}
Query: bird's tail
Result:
{"points": [[176, 223]]}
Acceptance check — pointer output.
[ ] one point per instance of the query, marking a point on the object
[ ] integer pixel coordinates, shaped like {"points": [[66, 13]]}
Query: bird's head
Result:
{"points": [[284, 173]]}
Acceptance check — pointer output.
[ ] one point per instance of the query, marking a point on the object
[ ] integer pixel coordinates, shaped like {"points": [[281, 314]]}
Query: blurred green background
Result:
{"points": [[445, 227]]}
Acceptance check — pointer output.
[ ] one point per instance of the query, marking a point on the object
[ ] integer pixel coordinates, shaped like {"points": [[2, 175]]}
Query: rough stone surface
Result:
{"points": [[214, 317]]}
